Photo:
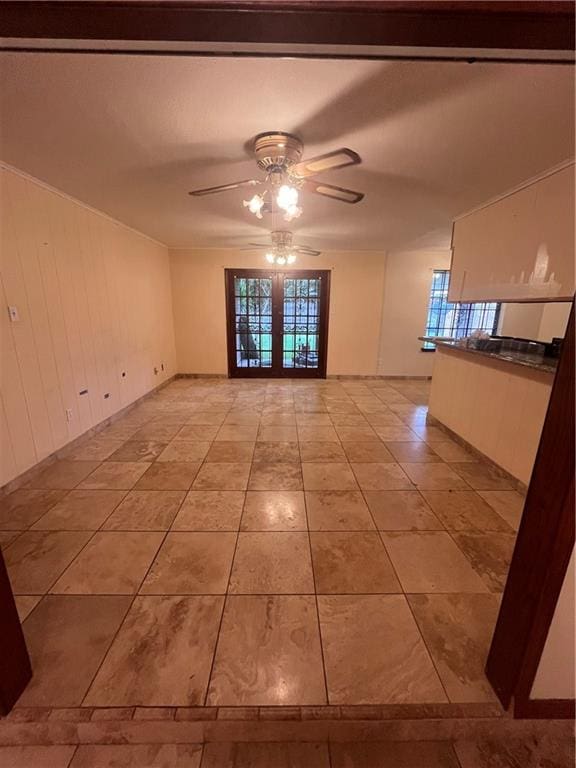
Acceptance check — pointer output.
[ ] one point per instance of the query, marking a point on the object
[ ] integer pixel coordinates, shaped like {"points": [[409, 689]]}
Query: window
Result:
{"points": [[456, 320]]}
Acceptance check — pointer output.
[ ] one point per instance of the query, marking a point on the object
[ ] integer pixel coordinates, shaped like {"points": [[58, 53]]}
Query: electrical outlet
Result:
{"points": [[68, 414]]}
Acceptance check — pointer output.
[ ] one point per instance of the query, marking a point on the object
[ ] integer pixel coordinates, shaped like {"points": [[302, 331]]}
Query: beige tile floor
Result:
{"points": [[529, 753], [254, 543], [509, 753]]}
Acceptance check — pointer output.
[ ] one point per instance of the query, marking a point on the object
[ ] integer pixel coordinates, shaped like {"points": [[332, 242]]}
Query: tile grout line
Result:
{"points": [[451, 532], [107, 651], [73, 755], [121, 624], [226, 413], [269, 530], [93, 532], [224, 602], [430, 655], [88, 540], [322, 655], [261, 594], [458, 764], [407, 602]]}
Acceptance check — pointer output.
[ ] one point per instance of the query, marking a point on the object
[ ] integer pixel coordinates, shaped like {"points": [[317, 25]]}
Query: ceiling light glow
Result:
{"points": [[255, 205], [280, 259], [287, 197], [292, 212]]}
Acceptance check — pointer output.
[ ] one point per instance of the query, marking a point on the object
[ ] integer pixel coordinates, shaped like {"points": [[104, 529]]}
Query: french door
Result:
{"points": [[277, 322]]}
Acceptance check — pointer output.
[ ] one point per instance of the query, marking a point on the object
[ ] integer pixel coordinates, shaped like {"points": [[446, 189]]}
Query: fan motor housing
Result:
{"points": [[277, 150], [282, 238]]}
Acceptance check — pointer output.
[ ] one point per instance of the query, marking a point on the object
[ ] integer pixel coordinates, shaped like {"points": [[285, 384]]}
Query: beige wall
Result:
{"points": [[406, 298], [555, 675], [356, 288], [94, 301], [522, 320], [554, 321], [534, 321]]}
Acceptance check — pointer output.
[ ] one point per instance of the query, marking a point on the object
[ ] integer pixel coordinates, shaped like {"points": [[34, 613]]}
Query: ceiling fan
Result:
{"points": [[279, 155], [282, 251]]}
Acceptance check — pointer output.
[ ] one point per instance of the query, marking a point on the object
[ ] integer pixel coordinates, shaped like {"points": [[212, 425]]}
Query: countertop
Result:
{"points": [[546, 365]]}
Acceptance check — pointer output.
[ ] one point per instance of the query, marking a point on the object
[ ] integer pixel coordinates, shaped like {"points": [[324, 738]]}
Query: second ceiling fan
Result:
{"points": [[279, 155], [282, 250]]}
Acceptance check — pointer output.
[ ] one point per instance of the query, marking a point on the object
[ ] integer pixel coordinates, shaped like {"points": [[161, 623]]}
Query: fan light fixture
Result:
{"points": [[286, 200], [282, 250], [255, 205], [280, 258]]}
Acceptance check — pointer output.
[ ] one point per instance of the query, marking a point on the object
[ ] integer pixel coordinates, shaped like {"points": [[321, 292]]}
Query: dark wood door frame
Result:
{"points": [[535, 28], [547, 528], [15, 669], [543, 548], [277, 317]]}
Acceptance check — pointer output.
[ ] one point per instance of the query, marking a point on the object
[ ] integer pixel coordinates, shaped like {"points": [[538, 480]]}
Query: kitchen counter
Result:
{"points": [[546, 364], [493, 403]]}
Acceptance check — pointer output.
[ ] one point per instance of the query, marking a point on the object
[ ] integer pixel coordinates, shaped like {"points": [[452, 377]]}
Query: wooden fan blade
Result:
{"points": [[305, 251], [304, 247], [259, 246], [311, 251], [335, 193], [224, 187], [337, 159]]}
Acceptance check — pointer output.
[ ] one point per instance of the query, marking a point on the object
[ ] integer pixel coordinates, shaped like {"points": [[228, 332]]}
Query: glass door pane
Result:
{"points": [[300, 328], [277, 322], [253, 321]]}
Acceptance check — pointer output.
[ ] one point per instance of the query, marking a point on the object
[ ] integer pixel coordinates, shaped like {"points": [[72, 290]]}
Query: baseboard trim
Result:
{"points": [[545, 709], [517, 484], [60, 453], [201, 376], [332, 376], [376, 377]]}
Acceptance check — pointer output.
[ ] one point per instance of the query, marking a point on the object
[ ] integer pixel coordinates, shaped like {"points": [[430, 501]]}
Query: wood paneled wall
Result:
{"points": [[94, 303]]}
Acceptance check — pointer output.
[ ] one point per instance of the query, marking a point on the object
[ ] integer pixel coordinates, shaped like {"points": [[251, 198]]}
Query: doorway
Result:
{"points": [[277, 322]]}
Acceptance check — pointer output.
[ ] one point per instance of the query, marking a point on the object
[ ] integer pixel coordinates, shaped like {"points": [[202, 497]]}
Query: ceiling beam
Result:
{"points": [[515, 26]]}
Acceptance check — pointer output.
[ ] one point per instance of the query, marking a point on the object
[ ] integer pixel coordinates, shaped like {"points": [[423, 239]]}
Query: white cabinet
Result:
{"points": [[519, 248]]}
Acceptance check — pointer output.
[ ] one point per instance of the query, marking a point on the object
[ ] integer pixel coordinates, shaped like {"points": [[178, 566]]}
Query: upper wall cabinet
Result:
{"points": [[519, 248]]}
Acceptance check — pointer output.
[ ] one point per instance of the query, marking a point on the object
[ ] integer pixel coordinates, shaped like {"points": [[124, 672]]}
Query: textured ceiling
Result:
{"points": [[130, 135]]}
